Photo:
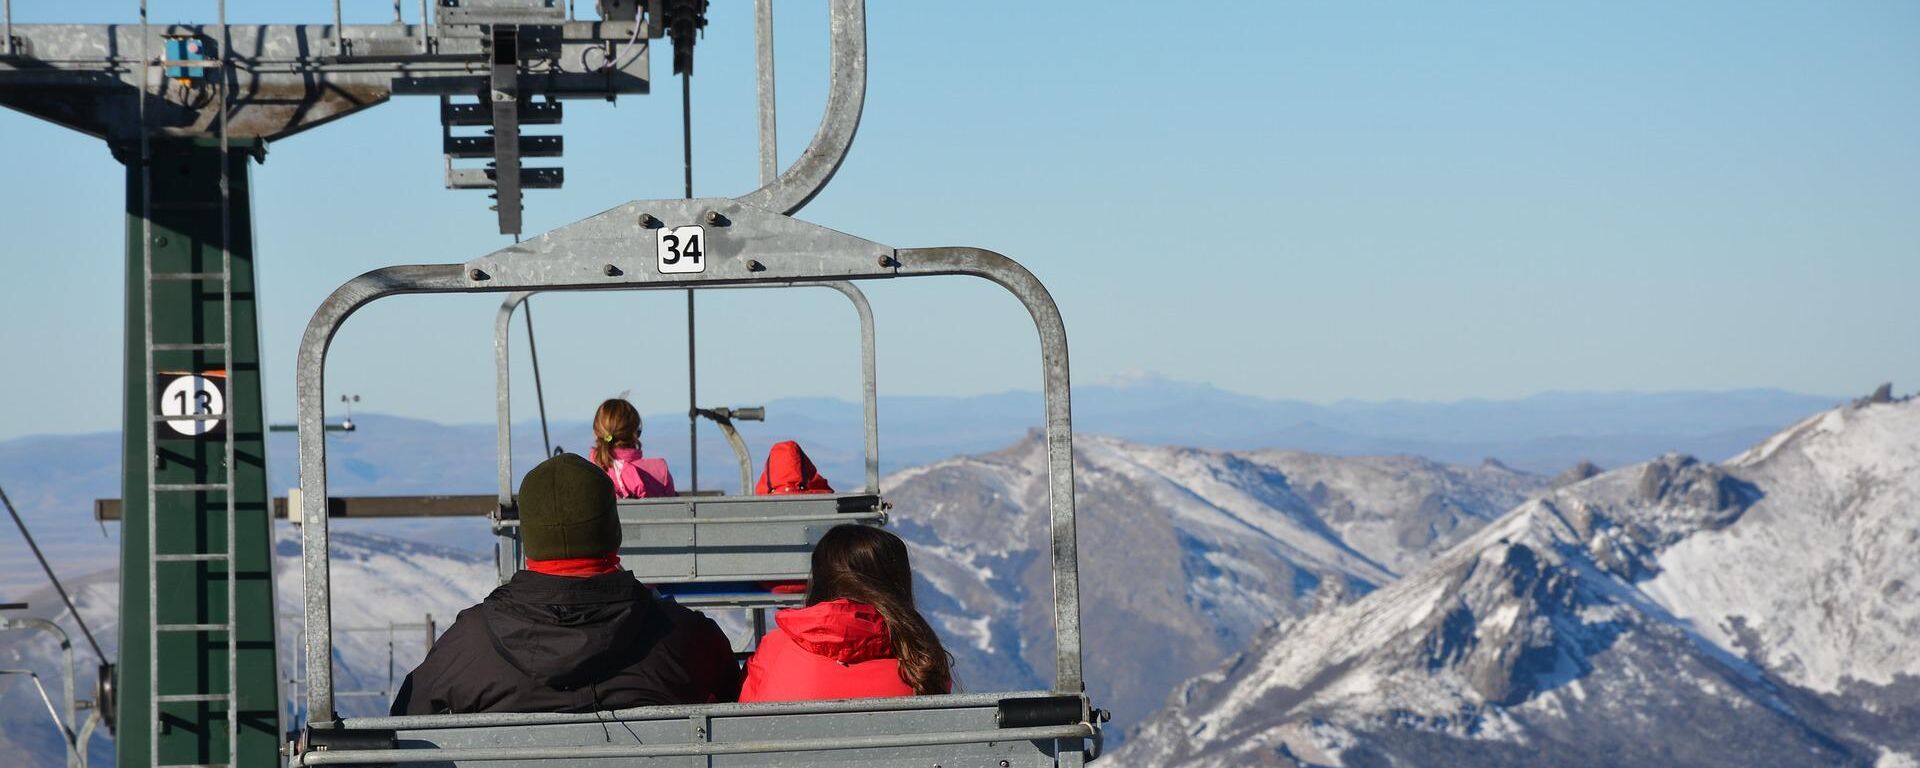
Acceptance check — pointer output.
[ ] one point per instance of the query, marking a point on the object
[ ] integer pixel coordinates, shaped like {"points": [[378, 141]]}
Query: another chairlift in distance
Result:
{"points": [[710, 551]]}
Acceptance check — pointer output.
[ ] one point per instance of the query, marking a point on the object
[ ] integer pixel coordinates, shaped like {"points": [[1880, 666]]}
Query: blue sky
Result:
{"points": [[1303, 200]]}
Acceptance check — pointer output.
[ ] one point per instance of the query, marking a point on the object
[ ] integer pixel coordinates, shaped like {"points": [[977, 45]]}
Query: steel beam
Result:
{"points": [[358, 507], [286, 78]]}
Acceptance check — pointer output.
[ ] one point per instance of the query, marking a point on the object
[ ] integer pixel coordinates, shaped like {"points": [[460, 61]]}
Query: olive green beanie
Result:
{"points": [[567, 510]]}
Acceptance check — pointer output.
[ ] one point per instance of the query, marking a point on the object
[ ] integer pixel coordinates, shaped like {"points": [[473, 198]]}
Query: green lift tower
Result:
{"points": [[185, 108]]}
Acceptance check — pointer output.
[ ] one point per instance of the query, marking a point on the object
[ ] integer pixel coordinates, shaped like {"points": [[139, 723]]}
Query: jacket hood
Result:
{"points": [[566, 631], [790, 471], [841, 630]]}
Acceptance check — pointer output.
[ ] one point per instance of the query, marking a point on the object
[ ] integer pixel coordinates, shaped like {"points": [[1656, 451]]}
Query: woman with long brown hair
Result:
{"points": [[858, 636]]}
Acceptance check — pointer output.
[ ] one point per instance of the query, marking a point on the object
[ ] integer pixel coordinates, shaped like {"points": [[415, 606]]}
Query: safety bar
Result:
{"points": [[723, 419], [747, 245], [503, 401]]}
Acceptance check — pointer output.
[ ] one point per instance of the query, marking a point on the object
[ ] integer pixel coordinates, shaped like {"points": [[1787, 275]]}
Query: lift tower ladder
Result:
{"points": [[197, 415]]}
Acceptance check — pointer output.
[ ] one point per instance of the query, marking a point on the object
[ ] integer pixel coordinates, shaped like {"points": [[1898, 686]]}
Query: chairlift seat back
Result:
{"points": [[733, 538], [732, 544]]}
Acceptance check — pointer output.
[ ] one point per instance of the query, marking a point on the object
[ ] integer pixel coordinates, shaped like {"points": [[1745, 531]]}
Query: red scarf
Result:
{"points": [[576, 566]]}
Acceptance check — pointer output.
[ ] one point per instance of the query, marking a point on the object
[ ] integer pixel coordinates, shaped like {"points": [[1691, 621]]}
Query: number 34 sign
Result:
{"points": [[682, 250], [199, 399]]}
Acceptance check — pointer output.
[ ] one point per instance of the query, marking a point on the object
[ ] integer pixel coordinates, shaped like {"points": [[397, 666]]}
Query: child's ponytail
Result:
{"points": [[615, 425]]}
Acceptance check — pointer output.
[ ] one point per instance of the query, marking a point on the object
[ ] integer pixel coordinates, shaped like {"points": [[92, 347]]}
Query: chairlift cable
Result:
{"points": [[57, 586], [693, 397], [684, 20], [539, 396]]}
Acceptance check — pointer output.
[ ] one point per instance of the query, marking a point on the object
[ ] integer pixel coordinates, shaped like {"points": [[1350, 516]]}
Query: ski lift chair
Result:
{"points": [[748, 241], [745, 244], [707, 551]]}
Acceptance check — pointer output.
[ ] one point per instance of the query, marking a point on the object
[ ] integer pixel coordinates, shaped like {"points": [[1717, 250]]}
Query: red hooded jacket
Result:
{"points": [[790, 471], [838, 649]]}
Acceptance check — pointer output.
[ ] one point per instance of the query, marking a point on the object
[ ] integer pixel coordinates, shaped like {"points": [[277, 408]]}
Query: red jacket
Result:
{"points": [[790, 471], [838, 649]]}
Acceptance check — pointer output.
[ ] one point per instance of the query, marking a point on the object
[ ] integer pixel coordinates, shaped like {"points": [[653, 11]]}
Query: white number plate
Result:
{"points": [[190, 395], [682, 250]]}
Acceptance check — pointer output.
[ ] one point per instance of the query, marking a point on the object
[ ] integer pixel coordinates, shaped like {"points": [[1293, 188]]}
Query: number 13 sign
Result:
{"points": [[682, 250], [187, 394]]}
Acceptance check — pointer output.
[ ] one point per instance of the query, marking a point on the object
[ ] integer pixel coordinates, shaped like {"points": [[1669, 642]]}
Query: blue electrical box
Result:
{"points": [[186, 49]]}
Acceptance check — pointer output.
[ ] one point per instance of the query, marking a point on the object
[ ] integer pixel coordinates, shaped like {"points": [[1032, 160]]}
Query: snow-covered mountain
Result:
{"points": [[378, 582], [1185, 554], [1759, 612], [53, 479], [1209, 546]]}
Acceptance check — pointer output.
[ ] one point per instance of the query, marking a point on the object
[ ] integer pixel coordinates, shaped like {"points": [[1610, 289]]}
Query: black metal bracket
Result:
{"points": [[504, 92]]}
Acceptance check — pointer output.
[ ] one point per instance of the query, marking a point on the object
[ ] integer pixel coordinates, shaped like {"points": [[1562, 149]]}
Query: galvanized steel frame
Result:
{"points": [[748, 245], [846, 98], [66, 733]]}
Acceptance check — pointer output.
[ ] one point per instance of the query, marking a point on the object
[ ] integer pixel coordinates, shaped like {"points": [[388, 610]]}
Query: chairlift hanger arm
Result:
{"points": [[846, 99]]}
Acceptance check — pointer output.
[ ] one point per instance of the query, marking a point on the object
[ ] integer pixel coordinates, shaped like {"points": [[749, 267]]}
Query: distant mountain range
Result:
{"points": [[1760, 612], [1189, 555], [55, 478]]}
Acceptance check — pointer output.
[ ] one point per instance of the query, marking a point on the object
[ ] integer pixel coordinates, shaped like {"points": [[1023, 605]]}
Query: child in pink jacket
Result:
{"points": [[616, 448]]}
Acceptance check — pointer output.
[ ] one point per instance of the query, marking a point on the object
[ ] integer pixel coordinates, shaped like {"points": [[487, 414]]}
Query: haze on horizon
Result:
{"points": [[1288, 200]]}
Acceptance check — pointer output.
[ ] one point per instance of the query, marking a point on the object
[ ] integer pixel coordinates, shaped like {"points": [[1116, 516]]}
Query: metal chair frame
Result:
{"points": [[746, 245]]}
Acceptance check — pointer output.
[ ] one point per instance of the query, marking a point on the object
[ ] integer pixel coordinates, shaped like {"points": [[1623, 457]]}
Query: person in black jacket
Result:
{"points": [[572, 632]]}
